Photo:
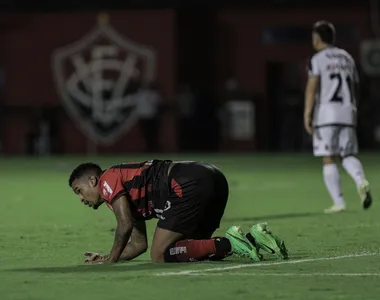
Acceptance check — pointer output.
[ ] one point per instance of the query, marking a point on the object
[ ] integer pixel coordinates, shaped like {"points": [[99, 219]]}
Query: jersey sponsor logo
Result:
{"points": [[96, 79], [338, 67]]}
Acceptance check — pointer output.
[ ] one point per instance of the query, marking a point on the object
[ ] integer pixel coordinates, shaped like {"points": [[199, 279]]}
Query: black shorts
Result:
{"points": [[198, 194]]}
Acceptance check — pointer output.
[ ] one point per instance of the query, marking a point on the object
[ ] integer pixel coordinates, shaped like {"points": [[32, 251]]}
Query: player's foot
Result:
{"points": [[270, 243], [241, 246], [364, 192], [335, 209]]}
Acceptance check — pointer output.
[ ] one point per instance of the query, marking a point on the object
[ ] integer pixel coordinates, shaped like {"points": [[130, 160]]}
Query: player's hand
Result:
{"points": [[93, 257], [307, 124]]}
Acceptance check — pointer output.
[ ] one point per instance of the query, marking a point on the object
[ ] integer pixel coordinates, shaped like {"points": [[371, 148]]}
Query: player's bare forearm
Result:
{"points": [[310, 93], [122, 235], [309, 104], [125, 223], [139, 242], [133, 250]]}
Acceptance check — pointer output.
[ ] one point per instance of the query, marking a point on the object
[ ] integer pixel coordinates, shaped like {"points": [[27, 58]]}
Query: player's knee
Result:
{"points": [[328, 160]]}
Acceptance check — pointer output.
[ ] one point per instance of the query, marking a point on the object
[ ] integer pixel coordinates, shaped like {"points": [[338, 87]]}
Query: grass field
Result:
{"points": [[44, 231]]}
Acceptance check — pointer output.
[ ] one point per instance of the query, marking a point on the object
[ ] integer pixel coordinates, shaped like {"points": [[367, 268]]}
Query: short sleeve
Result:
{"points": [[111, 186], [313, 68]]}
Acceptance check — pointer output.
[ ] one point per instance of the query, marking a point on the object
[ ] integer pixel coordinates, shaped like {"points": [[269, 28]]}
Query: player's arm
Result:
{"points": [[124, 227], [310, 93], [311, 90], [138, 243]]}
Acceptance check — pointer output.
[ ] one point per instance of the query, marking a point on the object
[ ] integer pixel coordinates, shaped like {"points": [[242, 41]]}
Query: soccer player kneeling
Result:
{"points": [[187, 198]]}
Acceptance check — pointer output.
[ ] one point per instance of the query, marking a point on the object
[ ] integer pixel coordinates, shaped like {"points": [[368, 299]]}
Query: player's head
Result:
{"points": [[323, 35], [84, 182]]}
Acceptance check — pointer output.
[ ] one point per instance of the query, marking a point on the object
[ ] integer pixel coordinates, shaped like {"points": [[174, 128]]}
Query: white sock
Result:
{"points": [[354, 168], [332, 182]]}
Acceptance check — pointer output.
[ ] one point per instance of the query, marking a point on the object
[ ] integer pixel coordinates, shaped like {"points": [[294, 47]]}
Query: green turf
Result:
{"points": [[44, 231]]}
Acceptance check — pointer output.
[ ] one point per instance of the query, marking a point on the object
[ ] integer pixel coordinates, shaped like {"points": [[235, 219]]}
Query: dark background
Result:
{"points": [[264, 45]]}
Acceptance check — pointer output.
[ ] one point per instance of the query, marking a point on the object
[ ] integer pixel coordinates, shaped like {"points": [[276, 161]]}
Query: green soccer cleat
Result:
{"points": [[268, 242], [240, 245]]}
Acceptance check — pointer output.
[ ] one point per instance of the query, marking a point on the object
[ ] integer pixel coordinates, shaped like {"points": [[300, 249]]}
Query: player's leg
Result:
{"points": [[326, 145], [248, 245], [184, 230], [349, 149], [174, 240], [214, 207], [169, 246]]}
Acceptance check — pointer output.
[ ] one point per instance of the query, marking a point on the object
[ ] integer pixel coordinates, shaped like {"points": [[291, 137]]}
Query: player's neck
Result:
{"points": [[323, 47]]}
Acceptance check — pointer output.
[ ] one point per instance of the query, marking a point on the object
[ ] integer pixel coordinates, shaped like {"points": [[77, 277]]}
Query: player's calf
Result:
{"points": [[354, 168], [331, 179], [196, 250]]}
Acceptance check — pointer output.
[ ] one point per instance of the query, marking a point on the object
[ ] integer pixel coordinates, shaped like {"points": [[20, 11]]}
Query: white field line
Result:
{"points": [[289, 274], [256, 265]]}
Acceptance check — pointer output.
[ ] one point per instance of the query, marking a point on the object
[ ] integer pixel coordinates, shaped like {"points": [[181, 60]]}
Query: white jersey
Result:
{"points": [[335, 104]]}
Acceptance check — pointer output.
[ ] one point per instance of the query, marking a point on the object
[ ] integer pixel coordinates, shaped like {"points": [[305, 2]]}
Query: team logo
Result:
{"points": [[97, 78]]}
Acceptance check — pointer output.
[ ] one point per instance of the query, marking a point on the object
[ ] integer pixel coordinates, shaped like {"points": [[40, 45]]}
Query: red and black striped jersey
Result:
{"points": [[143, 183]]}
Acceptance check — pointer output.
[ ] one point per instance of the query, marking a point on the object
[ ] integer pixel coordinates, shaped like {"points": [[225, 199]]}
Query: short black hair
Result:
{"points": [[82, 170], [326, 31]]}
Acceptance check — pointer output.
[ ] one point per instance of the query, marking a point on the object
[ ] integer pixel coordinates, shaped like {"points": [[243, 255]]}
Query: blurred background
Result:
{"points": [[164, 76]]}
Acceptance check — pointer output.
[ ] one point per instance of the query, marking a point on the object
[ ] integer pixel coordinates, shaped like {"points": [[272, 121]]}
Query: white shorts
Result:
{"points": [[335, 140]]}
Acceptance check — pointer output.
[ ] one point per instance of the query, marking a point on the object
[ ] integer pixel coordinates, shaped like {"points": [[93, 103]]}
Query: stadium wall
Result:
{"points": [[29, 40]]}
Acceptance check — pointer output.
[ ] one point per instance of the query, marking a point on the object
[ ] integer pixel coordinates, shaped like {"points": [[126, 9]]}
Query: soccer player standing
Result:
{"points": [[331, 99]]}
